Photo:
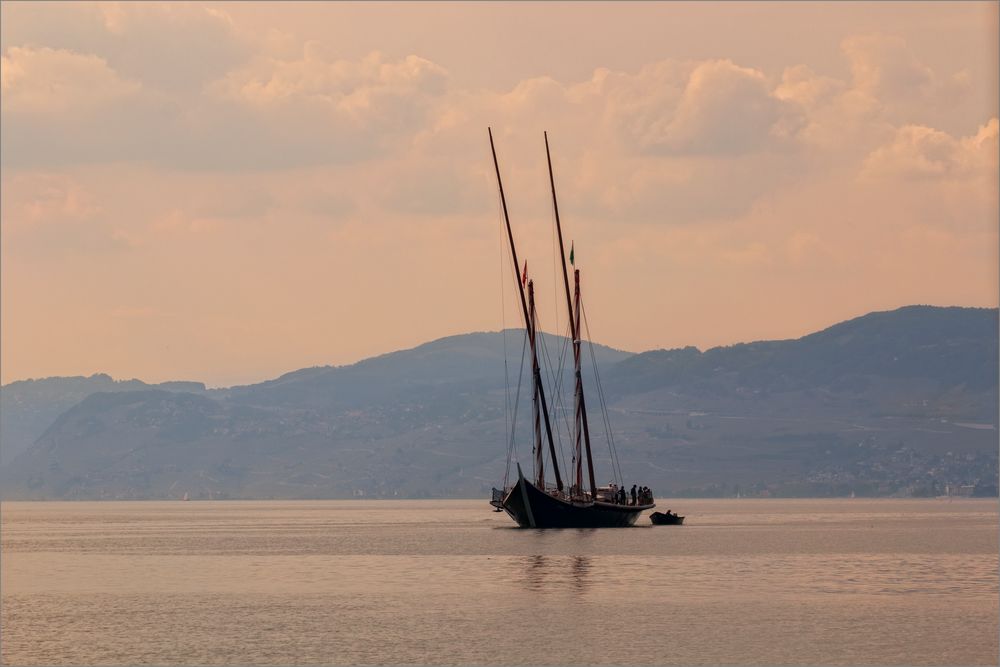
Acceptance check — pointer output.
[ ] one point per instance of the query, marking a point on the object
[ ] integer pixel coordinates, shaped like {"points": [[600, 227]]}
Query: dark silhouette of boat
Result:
{"points": [[534, 503], [668, 519], [532, 507]]}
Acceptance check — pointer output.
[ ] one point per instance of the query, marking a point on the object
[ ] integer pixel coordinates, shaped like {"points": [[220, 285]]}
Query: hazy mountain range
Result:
{"points": [[901, 402]]}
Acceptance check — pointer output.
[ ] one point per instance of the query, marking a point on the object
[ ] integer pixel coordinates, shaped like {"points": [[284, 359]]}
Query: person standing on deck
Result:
{"points": [[633, 494]]}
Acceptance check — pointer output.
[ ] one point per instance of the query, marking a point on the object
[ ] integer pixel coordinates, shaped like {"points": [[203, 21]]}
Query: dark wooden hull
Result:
{"points": [[661, 519], [531, 507]]}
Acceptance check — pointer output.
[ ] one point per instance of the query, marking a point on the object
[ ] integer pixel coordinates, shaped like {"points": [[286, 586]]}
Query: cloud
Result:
{"points": [[883, 66], [182, 85], [164, 46], [903, 89], [320, 109], [261, 107], [351, 87], [649, 145], [669, 107], [800, 84], [36, 201], [922, 153], [654, 144], [249, 187], [373, 96], [674, 190], [54, 215], [62, 108], [440, 188], [724, 109], [56, 82]]}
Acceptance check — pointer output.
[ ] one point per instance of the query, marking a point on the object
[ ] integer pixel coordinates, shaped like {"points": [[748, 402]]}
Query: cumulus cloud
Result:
{"points": [[639, 103], [657, 142], [890, 87], [165, 46], [374, 95], [318, 108], [276, 109], [724, 109], [711, 107], [884, 66], [648, 145], [270, 114], [889, 77], [229, 172], [922, 153], [801, 85], [61, 107], [349, 86], [673, 190], [54, 82]]}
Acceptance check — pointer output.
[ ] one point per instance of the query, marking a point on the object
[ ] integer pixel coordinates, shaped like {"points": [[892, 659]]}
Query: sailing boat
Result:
{"points": [[534, 503]]}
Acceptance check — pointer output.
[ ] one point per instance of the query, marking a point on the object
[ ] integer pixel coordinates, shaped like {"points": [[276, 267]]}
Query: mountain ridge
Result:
{"points": [[813, 415]]}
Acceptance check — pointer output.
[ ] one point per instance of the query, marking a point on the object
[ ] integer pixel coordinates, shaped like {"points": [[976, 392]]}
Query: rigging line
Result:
{"points": [[564, 421], [555, 292], [544, 374], [556, 400], [566, 343], [559, 389], [508, 239], [508, 423], [562, 362], [615, 463], [555, 300], [510, 413], [563, 410], [560, 377], [517, 272], [511, 449], [607, 417]]}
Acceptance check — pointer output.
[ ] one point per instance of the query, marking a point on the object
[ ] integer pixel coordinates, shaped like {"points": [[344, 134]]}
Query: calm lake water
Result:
{"points": [[884, 582]]}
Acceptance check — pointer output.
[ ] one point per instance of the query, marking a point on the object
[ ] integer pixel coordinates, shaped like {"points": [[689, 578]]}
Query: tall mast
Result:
{"points": [[578, 388], [581, 406], [562, 250], [527, 320], [574, 326], [535, 376]]}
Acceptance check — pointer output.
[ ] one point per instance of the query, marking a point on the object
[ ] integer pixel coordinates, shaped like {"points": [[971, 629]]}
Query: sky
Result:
{"points": [[225, 192]]}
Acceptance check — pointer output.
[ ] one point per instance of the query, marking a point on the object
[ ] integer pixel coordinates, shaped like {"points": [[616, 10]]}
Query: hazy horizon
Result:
{"points": [[225, 192], [209, 385]]}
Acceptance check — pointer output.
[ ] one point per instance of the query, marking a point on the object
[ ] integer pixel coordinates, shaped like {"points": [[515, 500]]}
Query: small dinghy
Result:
{"points": [[668, 519]]}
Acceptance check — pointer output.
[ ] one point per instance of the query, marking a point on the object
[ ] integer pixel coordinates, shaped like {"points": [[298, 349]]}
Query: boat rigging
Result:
{"points": [[531, 503]]}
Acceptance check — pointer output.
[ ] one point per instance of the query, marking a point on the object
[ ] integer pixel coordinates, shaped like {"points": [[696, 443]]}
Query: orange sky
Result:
{"points": [[226, 192]]}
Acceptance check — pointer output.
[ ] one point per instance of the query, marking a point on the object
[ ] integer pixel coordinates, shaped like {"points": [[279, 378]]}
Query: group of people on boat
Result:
{"points": [[639, 495]]}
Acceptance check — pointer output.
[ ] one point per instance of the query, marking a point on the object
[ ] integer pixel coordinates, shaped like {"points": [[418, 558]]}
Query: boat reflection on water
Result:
{"points": [[554, 573]]}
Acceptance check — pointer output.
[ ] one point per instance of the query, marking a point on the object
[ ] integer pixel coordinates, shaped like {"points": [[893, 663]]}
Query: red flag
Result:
{"points": [[524, 276]]}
